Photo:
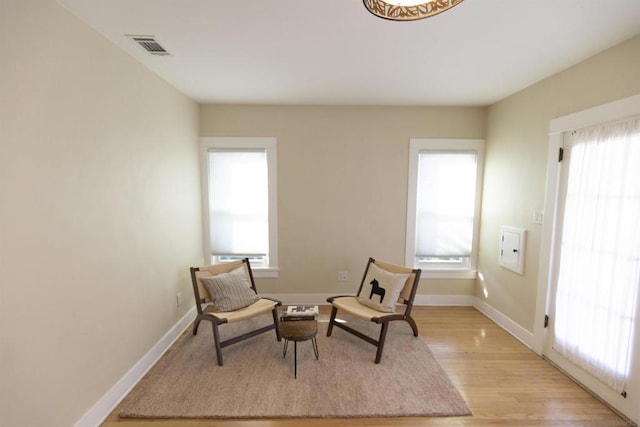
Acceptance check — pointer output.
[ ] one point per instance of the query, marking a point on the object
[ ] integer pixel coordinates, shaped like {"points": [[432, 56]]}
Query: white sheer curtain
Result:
{"points": [[599, 272], [238, 202]]}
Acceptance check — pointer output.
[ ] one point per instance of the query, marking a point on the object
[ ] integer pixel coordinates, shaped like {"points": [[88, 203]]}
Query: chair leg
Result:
{"points": [[196, 323], [332, 319], [413, 325], [274, 312], [383, 336], [216, 339]]}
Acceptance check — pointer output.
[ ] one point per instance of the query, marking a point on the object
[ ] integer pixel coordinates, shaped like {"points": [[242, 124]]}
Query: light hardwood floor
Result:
{"points": [[503, 382]]}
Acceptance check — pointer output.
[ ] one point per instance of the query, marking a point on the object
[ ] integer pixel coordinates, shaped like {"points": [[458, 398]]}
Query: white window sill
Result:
{"points": [[449, 274]]}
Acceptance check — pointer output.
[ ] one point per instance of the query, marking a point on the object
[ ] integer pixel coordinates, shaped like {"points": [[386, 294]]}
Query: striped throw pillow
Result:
{"points": [[230, 291]]}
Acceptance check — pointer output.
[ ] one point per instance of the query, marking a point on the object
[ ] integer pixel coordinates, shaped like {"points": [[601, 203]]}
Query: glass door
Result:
{"points": [[593, 300]]}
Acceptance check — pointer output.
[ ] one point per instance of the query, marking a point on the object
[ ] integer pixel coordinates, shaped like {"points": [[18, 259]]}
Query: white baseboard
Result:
{"points": [[302, 299], [103, 407], [513, 328]]}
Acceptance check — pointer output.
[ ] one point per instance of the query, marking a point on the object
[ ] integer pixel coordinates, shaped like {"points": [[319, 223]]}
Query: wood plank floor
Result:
{"points": [[503, 382]]}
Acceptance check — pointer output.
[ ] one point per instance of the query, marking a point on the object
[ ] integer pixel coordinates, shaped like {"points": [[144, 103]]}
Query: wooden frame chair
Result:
{"points": [[351, 305], [206, 311]]}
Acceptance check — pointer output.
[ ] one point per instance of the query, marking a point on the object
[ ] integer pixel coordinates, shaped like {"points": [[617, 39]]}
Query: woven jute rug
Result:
{"points": [[256, 381]]}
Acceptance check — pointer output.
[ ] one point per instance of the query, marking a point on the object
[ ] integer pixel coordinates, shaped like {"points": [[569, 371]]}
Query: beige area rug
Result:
{"points": [[257, 382]]}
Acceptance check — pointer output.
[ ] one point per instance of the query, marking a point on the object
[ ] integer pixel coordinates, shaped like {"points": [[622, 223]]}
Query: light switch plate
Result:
{"points": [[537, 217]]}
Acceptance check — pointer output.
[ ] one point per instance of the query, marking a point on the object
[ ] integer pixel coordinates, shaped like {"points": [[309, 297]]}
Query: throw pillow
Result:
{"points": [[382, 288], [230, 291]]}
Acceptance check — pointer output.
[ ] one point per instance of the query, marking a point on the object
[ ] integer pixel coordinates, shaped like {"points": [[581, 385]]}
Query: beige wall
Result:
{"points": [[100, 202], [342, 185], [100, 213], [515, 165]]}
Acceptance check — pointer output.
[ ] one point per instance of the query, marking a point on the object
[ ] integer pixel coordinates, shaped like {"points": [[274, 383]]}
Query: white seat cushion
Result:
{"points": [[350, 305], [261, 306]]}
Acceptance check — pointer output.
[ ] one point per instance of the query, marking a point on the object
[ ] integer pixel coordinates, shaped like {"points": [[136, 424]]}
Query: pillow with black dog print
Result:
{"points": [[382, 288]]}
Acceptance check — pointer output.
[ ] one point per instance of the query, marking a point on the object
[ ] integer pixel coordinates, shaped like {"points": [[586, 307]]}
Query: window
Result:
{"points": [[239, 182], [443, 206]]}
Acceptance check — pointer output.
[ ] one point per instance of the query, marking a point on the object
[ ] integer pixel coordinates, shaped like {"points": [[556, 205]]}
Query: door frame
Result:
{"points": [[626, 107]]}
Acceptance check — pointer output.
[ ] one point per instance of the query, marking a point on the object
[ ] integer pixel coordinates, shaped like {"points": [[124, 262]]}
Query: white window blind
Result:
{"points": [[238, 202], [443, 206], [445, 203]]}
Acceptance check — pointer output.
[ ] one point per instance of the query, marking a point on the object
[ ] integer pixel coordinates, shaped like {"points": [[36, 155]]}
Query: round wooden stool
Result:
{"points": [[299, 330]]}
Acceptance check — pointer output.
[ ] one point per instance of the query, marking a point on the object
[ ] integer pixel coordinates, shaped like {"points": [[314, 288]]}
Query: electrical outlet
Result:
{"points": [[179, 299], [343, 276]]}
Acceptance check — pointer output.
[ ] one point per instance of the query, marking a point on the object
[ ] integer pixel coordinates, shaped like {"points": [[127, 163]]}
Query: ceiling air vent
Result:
{"points": [[150, 44]]}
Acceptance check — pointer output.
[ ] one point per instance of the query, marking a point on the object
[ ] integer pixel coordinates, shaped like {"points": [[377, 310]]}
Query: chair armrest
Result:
{"points": [[330, 299], [277, 301], [210, 315], [389, 318]]}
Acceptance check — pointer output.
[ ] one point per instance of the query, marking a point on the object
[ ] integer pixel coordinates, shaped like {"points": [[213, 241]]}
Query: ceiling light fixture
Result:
{"points": [[408, 10]]}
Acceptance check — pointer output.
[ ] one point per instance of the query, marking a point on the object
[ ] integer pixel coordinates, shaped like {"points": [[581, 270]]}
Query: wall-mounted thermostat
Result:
{"points": [[512, 244]]}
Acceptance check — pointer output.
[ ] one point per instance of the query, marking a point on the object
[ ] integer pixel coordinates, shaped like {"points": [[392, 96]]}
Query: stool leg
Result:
{"points": [[315, 347], [295, 359], [284, 351]]}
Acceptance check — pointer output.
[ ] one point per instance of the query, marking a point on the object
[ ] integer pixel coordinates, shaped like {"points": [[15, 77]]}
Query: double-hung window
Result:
{"points": [[443, 206], [239, 181]]}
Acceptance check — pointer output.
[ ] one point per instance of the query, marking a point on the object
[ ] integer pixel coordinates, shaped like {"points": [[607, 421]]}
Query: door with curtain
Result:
{"points": [[593, 325]]}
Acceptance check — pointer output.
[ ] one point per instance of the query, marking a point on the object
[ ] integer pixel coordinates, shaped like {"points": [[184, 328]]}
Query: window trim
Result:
{"points": [[243, 143], [416, 145]]}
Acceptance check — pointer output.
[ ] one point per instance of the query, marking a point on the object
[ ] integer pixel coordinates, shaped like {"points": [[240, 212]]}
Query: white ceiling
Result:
{"points": [[334, 52]]}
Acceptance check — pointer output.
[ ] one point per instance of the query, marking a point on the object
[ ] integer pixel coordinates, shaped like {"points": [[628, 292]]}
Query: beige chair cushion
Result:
{"points": [[259, 307], [230, 291], [351, 305], [381, 288]]}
